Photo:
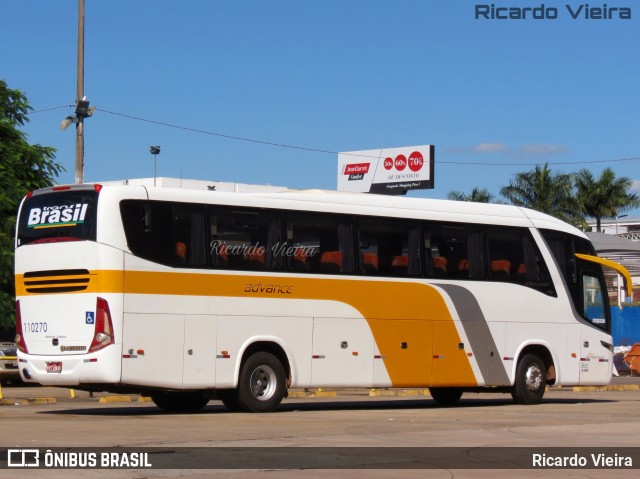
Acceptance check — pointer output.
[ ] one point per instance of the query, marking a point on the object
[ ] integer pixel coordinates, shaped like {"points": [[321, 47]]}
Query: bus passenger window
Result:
{"points": [[388, 247], [318, 243], [454, 251], [244, 239], [169, 233], [514, 257]]}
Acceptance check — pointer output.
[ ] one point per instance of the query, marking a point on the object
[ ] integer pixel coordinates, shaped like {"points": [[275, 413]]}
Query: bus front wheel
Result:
{"points": [[180, 401], [531, 380], [262, 383]]}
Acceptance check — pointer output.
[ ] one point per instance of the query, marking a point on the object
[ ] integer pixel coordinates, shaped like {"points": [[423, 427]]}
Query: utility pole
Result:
{"points": [[80, 97]]}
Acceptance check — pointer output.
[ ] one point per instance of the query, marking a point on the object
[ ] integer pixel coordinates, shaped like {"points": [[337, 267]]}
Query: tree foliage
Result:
{"points": [[478, 195], [23, 167], [542, 190], [604, 197]]}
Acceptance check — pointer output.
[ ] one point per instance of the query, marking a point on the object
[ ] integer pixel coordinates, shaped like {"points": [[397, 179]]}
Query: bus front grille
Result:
{"points": [[56, 281]]}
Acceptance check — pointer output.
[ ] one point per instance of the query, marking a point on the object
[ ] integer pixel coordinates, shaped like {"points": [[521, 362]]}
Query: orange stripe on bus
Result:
{"points": [[410, 321]]}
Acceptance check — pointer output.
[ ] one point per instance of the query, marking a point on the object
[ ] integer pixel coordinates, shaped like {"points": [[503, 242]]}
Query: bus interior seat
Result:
{"points": [[300, 260], [370, 262], [181, 253], [463, 268], [440, 266], [522, 272], [523, 275], [331, 261], [220, 258], [400, 264], [501, 269], [255, 260]]}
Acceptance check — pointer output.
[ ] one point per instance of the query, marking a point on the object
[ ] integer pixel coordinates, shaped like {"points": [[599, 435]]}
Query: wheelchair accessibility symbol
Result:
{"points": [[91, 317]]}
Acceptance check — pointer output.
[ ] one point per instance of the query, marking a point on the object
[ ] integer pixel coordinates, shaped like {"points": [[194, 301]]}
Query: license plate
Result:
{"points": [[54, 367]]}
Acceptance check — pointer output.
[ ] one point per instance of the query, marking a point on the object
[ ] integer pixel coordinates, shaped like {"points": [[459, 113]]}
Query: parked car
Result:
{"points": [[8, 362]]}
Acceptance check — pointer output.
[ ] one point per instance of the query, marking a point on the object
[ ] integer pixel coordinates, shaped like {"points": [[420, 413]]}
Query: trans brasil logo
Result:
{"points": [[54, 216]]}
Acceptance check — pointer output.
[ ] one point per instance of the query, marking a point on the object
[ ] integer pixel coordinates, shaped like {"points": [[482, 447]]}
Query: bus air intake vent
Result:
{"points": [[56, 281]]}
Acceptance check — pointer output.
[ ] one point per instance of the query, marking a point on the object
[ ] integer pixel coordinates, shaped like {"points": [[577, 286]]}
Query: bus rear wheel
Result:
{"points": [[180, 401], [230, 399], [446, 396], [531, 380], [262, 383]]}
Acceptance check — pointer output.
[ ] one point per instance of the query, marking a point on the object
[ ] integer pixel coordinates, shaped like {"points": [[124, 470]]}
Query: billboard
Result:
{"points": [[389, 171]]}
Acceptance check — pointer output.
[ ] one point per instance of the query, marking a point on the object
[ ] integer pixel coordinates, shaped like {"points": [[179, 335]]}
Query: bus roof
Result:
{"points": [[352, 203]]}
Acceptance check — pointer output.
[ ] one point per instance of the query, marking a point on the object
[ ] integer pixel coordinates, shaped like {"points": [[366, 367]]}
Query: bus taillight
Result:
{"points": [[22, 346], [103, 333]]}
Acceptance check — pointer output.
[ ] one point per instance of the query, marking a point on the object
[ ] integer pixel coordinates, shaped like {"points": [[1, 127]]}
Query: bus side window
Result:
{"points": [[165, 232], [454, 251], [514, 257], [244, 239], [319, 243], [388, 247], [189, 235]]}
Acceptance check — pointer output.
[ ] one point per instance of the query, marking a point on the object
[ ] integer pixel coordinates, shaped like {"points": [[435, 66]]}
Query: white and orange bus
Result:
{"points": [[187, 296]]}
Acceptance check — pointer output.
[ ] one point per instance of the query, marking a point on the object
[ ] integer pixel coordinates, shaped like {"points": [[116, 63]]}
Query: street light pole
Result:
{"points": [[80, 96], [155, 151]]}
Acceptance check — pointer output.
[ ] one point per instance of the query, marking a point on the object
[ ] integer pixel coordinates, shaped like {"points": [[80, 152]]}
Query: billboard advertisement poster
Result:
{"points": [[389, 171]]}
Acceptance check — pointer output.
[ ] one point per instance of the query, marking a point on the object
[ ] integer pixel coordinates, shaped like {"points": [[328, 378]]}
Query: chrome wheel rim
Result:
{"points": [[533, 378], [263, 383]]}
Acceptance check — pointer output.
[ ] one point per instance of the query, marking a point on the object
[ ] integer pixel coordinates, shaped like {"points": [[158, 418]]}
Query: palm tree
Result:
{"points": [[544, 191], [604, 197], [478, 195]]}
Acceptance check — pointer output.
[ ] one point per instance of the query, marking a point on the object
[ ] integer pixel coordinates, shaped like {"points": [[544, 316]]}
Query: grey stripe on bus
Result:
{"points": [[479, 335]]}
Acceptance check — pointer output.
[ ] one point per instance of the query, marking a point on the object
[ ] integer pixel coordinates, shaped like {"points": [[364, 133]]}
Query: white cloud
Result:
{"points": [[497, 147], [542, 150], [635, 186]]}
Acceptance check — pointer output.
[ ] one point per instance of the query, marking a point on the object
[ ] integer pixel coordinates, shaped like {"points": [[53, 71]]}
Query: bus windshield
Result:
{"points": [[56, 216]]}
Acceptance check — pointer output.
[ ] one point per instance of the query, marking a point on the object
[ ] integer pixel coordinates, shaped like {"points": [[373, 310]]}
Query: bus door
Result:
{"points": [[593, 305]]}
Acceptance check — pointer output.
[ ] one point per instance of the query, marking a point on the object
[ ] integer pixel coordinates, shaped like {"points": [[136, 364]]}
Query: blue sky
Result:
{"points": [[495, 97]]}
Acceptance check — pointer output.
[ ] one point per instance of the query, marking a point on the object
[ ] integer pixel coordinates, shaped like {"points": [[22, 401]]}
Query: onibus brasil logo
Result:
{"points": [[54, 216]]}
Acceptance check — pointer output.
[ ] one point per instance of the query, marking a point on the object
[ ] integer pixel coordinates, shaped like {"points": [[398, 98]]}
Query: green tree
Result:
{"points": [[542, 190], [604, 197], [477, 195], [23, 167]]}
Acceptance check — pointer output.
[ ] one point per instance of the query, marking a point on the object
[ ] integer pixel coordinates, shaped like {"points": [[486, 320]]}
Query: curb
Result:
{"points": [[610, 387], [27, 401], [112, 399], [318, 393], [398, 392]]}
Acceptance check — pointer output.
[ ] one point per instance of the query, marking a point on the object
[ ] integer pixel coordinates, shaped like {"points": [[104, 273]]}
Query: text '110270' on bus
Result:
{"points": [[188, 296]]}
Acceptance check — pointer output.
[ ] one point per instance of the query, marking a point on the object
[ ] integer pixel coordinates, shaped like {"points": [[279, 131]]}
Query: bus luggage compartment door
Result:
{"points": [[152, 349]]}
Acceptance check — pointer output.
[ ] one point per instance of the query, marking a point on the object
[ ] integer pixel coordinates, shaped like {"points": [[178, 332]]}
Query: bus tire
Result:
{"points": [[531, 380], [446, 396], [262, 383], [180, 401], [230, 399]]}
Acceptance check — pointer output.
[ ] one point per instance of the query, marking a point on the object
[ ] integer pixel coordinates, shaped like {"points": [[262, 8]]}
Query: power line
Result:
{"points": [[320, 150], [52, 108], [221, 135]]}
